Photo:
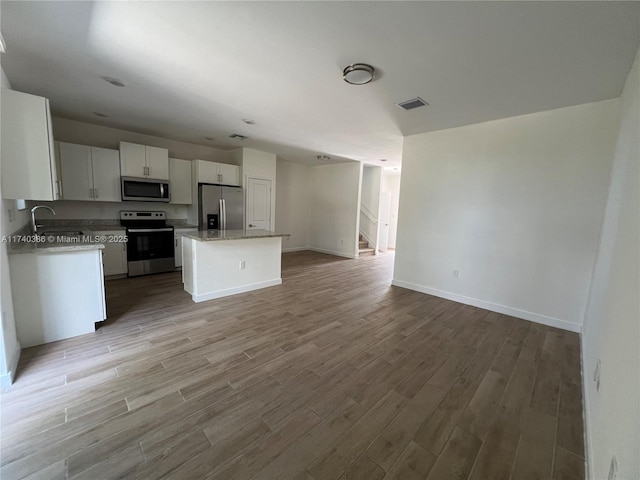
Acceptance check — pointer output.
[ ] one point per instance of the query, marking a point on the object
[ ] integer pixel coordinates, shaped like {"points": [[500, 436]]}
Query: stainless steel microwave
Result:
{"points": [[145, 189]]}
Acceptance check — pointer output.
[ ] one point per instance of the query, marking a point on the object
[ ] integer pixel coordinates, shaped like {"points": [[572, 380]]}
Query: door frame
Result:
{"points": [[271, 199]]}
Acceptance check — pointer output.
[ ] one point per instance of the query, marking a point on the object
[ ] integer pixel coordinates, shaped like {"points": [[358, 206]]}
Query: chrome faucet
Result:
{"points": [[34, 225]]}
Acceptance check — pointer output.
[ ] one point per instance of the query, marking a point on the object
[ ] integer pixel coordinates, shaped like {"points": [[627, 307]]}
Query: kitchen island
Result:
{"points": [[219, 263]]}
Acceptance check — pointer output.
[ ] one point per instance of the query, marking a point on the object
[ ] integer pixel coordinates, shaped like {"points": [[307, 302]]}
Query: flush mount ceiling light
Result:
{"points": [[238, 136], [383, 159], [323, 157], [114, 81], [358, 74]]}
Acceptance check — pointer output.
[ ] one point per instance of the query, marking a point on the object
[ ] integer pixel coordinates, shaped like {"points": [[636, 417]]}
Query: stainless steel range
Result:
{"points": [[150, 242]]}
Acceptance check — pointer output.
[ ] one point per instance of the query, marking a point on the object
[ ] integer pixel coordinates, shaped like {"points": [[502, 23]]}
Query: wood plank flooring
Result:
{"points": [[332, 375]]}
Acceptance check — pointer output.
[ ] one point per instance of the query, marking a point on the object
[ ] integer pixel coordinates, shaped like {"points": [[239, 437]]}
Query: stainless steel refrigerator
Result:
{"points": [[220, 208]]}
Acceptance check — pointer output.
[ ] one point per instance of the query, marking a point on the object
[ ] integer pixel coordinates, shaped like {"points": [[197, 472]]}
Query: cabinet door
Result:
{"points": [[114, 255], [106, 174], [75, 163], [133, 160], [28, 159], [180, 181], [157, 163], [207, 172], [177, 244], [229, 174]]}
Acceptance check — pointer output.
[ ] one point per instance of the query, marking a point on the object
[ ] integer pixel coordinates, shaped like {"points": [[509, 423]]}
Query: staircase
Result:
{"points": [[364, 248]]}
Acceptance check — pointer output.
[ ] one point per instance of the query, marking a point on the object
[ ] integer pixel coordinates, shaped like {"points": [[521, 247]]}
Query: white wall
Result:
{"points": [[515, 205], [11, 220], [371, 188], [335, 201], [612, 321], [391, 184], [72, 131], [258, 164], [292, 204], [370, 200]]}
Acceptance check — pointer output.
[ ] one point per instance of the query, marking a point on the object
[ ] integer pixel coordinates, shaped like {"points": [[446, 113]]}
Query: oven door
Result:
{"points": [[150, 250]]}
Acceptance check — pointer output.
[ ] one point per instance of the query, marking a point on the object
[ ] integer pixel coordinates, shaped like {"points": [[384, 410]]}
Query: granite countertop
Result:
{"points": [[54, 242], [214, 235]]}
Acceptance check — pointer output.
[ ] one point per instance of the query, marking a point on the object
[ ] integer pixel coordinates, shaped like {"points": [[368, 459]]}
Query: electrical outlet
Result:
{"points": [[613, 469], [455, 273], [242, 264], [596, 376], [12, 215]]}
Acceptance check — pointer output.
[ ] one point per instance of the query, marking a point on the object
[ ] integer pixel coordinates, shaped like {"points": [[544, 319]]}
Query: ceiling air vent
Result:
{"points": [[413, 103], [238, 136]]}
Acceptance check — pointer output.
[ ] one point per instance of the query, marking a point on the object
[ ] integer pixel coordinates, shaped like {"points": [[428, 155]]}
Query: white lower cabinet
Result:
{"points": [[57, 295], [177, 243], [114, 255]]}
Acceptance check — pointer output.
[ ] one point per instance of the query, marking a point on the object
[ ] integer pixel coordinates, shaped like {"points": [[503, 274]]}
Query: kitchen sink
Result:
{"points": [[62, 233]]}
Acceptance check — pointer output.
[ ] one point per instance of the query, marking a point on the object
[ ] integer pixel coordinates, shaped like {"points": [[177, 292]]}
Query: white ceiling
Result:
{"points": [[196, 69]]}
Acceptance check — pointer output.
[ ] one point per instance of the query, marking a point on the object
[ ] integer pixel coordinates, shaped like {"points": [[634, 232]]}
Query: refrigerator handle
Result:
{"points": [[221, 215], [224, 205]]}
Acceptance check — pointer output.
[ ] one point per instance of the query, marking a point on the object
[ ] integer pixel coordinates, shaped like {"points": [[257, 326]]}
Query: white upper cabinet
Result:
{"points": [[180, 181], [106, 174], [133, 160], [157, 163], [229, 174], [144, 161], [90, 173], [28, 158], [212, 172]]}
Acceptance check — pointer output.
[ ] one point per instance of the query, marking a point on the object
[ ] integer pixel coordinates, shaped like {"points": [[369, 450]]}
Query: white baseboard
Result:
{"points": [[494, 307], [7, 379], [586, 410], [332, 252], [295, 249], [233, 291]]}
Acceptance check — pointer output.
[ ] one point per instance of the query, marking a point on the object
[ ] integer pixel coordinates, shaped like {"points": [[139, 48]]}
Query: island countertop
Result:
{"points": [[217, 235]]}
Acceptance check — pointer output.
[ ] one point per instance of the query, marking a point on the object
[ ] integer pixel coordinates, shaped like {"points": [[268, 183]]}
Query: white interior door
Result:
{"points": [[258, 204], [383, 221]]}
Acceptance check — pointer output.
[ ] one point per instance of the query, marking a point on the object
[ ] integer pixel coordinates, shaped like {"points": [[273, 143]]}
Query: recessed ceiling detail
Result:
{"points": [[184, 88], [100, 114], [358, 74], [248, 121], [323, 158], [211, 139], [238, 136], [413, 103]]}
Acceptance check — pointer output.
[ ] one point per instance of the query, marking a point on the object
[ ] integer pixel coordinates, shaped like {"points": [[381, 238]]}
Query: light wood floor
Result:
{"points": [[332, 375]]}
